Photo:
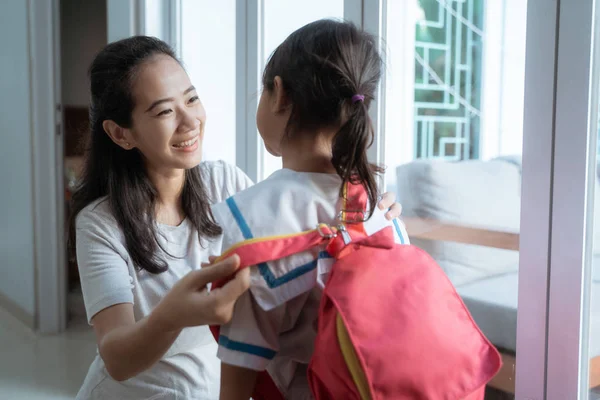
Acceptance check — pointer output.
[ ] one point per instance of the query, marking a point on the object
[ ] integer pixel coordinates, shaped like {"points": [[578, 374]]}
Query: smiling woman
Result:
{"points": [[141, 222], [137, 138]]}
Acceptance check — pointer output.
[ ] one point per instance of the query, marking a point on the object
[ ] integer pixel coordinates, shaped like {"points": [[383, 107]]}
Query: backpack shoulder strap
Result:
{"points": [[260, 250], [255, 251]]}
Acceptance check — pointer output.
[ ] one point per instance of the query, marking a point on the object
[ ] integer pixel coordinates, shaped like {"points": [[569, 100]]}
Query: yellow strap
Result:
{"points": [[344, 202], [347, 348]]}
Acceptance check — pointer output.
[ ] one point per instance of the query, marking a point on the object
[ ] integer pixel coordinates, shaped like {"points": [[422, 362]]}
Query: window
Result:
{"points": [[448, 50], [454, 92], [208, 29], [154, 23], [281, 18], [462, 97], [450, 131]]}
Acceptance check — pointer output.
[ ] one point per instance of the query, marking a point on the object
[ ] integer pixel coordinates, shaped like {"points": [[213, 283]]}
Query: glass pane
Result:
{"points": [[281, 18], [593, 311], [208, 35], [453, 145], [153, 18]]}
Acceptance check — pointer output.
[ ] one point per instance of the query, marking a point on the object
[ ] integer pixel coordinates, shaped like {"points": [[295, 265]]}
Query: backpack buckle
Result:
{"points": [[326, 232], [345, 234]]}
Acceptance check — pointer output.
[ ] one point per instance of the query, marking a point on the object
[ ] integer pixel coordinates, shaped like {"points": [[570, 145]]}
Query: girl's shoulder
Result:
{"points": [[223, 180]]}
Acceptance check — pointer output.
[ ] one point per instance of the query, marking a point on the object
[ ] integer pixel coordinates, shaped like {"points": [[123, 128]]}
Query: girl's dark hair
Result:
{"points": [[322, 66], [119, 174]]}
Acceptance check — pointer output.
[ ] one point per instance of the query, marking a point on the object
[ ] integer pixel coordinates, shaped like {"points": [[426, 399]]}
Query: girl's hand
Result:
{"points": [[189, 303], [389, 201]]}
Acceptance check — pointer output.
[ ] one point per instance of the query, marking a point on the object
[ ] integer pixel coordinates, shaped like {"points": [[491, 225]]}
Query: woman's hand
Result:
{"points": [[189, 303], [129, 347], [389, 201]]}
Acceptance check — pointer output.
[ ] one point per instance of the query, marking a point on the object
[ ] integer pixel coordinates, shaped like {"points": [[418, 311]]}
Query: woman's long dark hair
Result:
{"points": [[323, 65], [120, 174]]}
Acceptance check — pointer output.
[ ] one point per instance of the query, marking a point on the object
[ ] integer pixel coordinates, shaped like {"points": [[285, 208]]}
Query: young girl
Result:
{"points": [[313, 113]]}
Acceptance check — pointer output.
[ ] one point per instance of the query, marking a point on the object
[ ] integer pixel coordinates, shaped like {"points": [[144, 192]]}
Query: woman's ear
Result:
{"points": [[121, 136], [280, 101]]}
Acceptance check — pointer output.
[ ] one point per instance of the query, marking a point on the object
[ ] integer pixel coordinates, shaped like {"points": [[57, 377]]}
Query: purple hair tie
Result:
{"points": [[358, 97]]}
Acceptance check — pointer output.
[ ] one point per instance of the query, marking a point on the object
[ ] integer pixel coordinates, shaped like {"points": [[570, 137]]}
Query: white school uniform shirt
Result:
{"points": [[274, 324], [190, 369]]}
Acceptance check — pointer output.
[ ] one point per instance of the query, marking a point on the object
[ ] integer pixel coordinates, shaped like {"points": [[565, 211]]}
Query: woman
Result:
{"points": [[142, 226]]}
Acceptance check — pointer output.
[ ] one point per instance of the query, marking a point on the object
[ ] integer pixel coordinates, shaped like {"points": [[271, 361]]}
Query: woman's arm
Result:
{"points": [[129, 348]]}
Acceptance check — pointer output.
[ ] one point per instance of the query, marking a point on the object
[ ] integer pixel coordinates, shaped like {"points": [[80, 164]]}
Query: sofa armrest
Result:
{"points": [[430, 229]]}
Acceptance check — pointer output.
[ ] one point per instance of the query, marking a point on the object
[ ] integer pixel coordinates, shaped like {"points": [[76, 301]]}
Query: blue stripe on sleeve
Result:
{"points": [[399, 231], [246, 348]]}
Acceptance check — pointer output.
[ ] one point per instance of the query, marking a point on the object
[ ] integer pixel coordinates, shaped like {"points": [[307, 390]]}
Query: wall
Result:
{"points": [[16, 219], [83, 34]]}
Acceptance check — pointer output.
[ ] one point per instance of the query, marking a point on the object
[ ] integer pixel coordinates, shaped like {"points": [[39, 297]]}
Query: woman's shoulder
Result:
{"points": [[97, 215], [223, 180]]}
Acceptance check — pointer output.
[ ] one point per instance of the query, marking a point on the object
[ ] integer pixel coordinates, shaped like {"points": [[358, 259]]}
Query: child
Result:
{"points": [[313, 112]]}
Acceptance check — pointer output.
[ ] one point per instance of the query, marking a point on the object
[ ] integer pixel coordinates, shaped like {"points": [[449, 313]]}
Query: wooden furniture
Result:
{"points": [[488, 237]]}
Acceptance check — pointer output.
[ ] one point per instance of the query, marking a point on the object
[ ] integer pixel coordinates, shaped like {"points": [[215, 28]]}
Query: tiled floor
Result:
{"points": [[53, 367], [42, 367]]}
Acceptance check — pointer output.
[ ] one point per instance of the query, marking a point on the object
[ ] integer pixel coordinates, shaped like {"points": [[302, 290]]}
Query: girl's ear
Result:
{"points": [[280, 101]]}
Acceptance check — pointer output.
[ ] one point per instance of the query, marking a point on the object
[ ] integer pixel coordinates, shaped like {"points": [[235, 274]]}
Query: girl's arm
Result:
{"points": [[237, 383]]}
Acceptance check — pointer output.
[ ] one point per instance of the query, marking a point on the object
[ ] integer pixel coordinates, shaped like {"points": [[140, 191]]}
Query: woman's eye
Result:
{"points": [[194, 99], [165, 112]]}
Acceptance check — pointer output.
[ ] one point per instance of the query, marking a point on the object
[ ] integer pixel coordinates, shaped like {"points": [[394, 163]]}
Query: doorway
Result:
{"points": [[83, 33]]}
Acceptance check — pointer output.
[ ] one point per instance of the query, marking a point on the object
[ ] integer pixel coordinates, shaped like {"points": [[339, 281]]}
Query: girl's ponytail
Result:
{"points": [[349, 150]]}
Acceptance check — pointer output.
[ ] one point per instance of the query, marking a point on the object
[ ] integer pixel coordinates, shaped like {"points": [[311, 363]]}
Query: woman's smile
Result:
{"points": [[187, 145]]}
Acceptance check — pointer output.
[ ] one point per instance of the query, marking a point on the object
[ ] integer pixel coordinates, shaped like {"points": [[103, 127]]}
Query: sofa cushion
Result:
{"points": [[471, 192], [493, 305], [479, 193]]}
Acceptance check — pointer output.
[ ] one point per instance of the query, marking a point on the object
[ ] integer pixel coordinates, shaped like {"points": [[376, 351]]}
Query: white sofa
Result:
{"points": [[482, 194]]}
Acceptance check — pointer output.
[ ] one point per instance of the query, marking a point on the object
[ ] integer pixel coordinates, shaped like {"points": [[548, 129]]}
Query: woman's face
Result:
{"points": [[168, 118]]}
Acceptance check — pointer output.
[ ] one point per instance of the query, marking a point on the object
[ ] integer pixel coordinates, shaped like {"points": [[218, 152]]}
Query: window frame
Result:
{"points": [[574, 175], [249, 17]]}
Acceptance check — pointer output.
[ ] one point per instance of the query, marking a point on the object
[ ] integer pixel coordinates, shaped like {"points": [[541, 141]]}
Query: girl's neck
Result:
{"points": [[308, 153], [169, 186]]}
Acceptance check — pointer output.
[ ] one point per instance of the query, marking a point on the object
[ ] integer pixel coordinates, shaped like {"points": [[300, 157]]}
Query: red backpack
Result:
{"points": [[390, 325]]}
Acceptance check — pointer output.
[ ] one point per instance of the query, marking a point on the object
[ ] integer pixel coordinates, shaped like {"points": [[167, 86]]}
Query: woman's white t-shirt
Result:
{"points": [[190, 369]]}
